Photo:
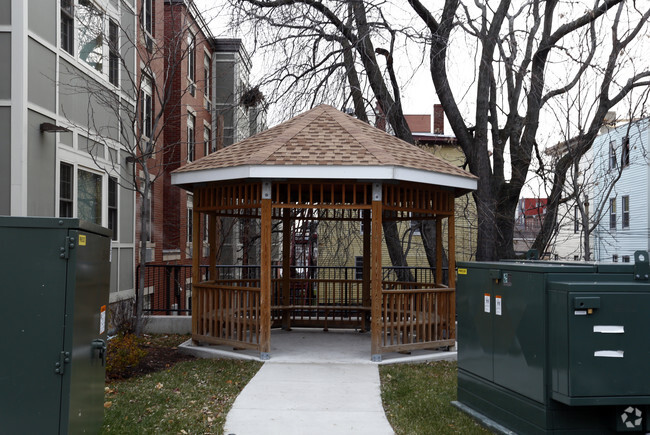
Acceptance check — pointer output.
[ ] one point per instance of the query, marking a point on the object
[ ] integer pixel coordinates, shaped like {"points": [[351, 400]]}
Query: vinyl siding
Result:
{"points": [[633, 183]]}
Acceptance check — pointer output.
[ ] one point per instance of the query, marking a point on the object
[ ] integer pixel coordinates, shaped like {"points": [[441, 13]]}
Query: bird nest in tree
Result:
{"points": [[251, 97]]}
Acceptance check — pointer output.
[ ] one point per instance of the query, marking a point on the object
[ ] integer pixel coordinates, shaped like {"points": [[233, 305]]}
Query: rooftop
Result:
{"points": [[324, 143]]}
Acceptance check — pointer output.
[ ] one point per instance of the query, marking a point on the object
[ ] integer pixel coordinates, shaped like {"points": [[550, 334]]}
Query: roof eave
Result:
{"points": [[461, 184]]}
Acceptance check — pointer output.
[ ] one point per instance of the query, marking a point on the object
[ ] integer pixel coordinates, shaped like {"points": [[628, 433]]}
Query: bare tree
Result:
{"points": [[328, 51]]}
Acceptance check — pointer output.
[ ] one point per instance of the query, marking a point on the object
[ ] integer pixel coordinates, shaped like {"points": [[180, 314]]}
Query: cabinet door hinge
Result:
{"points": [[68, 244], [59, 366]]}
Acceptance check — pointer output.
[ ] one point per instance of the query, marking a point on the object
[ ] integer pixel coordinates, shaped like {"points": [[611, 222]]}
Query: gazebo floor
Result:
{"points": [[309, 345]]}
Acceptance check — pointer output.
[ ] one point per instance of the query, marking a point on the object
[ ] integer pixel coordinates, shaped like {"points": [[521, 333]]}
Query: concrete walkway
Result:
{"points": [[315, 383]]}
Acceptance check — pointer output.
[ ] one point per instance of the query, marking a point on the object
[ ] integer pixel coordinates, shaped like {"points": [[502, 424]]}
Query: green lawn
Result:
{"points": [[192, 397], [417, 399]]}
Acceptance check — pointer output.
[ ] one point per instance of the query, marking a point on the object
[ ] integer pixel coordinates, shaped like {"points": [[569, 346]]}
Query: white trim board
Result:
{"points": [[371, 173]]}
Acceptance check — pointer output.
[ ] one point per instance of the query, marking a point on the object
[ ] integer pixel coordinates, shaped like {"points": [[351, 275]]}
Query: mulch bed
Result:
{"points": [[161, 353], [159, 358]]}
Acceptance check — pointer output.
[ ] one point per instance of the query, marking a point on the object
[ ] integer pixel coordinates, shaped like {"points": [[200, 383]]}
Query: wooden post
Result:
{"points": [[286, 268], [366, 266], [212, 240], [265, 280], [438, 250], [451, 223], [375, 274], [196, 261]]}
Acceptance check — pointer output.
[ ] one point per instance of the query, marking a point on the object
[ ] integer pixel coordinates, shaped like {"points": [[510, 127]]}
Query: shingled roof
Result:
{"points": [[324, 143]]}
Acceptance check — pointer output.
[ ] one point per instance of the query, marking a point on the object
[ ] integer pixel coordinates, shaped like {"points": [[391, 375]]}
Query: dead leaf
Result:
{"points": [[108, 404]]}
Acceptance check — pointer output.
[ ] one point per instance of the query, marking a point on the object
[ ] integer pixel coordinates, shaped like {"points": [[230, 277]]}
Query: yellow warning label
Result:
{"points": [[82, 240], [462, 271]]}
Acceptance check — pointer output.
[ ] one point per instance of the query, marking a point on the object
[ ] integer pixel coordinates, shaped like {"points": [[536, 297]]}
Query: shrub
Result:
{"points": [[123, 355]]}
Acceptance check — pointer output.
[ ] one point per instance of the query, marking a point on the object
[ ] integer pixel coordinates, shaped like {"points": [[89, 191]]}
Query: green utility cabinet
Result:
{"points": [[555, 348], [55, 290]]}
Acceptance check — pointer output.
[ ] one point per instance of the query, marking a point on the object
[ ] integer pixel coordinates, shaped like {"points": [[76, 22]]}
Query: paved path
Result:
{"points": [[310, 399], [315, 383], [311, 387]]}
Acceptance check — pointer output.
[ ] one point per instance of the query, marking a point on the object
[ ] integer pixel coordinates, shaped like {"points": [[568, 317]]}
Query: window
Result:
{"points": [[146, 15], [146, 22], [113, 52], [66, 186], [612, 213], [90, 33], [576, 258], [191, 62], [615, 258], [207, 140], [415, 225], [190, 217], [206, 74], [67, 26], [89, 196], [626, 259], [112, 206], [625, 210], [625, 152], [576, 219], [190, 137], [358, 267], [612, 155], [146, 107]]}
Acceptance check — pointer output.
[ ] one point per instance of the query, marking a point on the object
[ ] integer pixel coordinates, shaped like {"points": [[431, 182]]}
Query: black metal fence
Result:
{"points": [[168, 287]]}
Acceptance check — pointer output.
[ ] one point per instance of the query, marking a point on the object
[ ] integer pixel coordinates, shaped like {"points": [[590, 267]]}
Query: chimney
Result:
{"points": [[438, 119], [380, 117]]}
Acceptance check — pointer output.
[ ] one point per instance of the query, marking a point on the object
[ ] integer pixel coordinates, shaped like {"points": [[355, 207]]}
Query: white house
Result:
{"points": [[625, 223]]}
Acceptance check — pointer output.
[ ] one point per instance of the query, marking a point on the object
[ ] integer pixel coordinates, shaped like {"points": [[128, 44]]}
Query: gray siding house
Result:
{"points": [[61, 150], [625, 224]]}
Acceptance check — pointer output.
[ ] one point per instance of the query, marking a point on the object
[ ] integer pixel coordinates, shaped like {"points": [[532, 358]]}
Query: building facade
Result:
{"points": [[623, 173], [61, 149]]}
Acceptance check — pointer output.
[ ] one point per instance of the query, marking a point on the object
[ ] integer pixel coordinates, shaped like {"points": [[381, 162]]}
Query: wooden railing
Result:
{"points": [[413, 315], [417, 316], [227, 312]]}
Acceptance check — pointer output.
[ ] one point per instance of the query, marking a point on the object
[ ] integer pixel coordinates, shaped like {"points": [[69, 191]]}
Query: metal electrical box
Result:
{"points": [[55, 290], [549, 348]]}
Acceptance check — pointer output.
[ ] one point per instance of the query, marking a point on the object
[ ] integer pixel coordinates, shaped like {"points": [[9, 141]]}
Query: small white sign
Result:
{"points": [[609, 329], [497, 305], [102, 319], [486, 303], [609, 353]]}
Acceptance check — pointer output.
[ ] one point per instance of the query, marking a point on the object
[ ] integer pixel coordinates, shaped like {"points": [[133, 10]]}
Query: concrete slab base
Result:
{"points": [[483, 419], [314, 345]]}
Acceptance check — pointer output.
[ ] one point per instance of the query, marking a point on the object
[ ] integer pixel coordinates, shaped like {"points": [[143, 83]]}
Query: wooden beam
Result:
{"points": [[366, 222], [196, 261], [451, 232], [286, 268], [451, 223], [265, 281], [375, 276], [213, 230], [438, 250]]}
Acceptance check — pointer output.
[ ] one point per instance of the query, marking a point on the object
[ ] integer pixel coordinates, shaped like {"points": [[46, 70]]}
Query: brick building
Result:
{"points": [[196, 92]]}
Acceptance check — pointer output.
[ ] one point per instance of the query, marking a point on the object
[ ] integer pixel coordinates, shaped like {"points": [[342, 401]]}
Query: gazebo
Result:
{"points": [[345, 169]]}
